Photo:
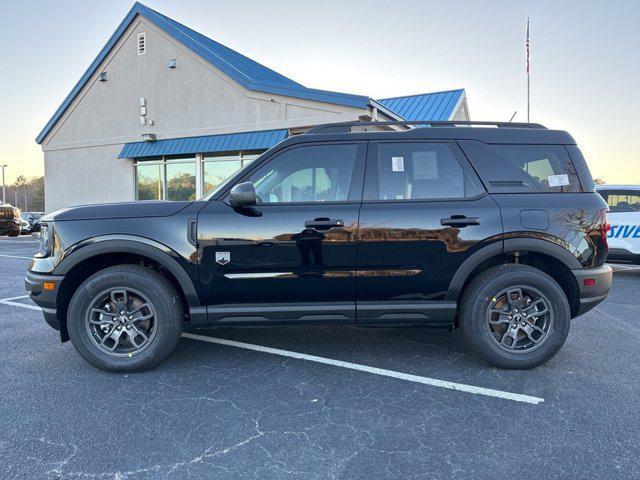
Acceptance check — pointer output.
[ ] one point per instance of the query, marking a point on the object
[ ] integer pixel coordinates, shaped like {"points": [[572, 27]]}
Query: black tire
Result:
{"points": [[13, 234], [159, 292], [480, 295]]}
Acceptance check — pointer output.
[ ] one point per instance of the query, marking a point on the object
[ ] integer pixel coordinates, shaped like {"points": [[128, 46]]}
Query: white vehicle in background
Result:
{"points": [[624, 217]]}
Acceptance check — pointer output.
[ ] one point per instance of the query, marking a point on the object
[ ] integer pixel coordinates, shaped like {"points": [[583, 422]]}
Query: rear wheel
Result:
{"points": [[515, 316], [125, 318]]}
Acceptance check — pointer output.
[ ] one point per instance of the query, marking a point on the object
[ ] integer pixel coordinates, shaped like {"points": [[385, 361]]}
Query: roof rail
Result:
{"points": [[345, 127]]}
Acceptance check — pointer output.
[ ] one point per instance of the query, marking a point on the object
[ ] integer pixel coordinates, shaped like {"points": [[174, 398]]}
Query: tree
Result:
{"points": [[27, 194]]}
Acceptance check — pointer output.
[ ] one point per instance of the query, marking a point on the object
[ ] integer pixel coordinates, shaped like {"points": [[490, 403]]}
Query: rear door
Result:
{"points": [[424, 213]]}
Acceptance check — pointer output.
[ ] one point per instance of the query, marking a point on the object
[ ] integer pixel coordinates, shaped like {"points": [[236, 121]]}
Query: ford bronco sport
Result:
{"points": [[492, 228]]}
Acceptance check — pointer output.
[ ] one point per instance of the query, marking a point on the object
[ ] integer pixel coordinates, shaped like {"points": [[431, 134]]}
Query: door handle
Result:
{"points": [[459, 221], [324, 223], [192, 231]]}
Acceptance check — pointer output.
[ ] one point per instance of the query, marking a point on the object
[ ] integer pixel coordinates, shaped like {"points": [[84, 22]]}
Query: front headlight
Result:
{"points": [[45, 240]]}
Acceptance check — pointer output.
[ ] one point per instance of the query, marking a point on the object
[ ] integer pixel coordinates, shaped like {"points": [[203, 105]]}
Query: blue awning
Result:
{"points": [[207, 144]]}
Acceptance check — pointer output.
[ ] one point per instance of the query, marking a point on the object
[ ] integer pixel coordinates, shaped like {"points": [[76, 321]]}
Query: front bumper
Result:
{"points": [[623, 254], [45, 299], [594, 285]]}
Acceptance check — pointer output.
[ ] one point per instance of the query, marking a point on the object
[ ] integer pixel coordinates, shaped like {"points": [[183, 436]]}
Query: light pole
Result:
{"points": [[3, 187]]}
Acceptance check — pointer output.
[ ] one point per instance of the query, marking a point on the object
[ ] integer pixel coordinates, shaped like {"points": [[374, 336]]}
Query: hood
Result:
{"points": [[118, 210]]}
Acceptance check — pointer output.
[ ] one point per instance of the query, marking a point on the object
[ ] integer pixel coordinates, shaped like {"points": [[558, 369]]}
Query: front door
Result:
{"points": [[424, 212], [292, 257]]}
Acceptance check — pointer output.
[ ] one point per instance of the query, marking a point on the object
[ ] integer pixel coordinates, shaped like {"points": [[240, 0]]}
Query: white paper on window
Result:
{"points": [[558, 180], [425, 166]]}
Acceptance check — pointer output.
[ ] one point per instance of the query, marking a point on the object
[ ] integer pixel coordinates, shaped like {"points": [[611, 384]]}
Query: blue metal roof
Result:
{"points": [[243, 70], [427, 106], [210, 143]]}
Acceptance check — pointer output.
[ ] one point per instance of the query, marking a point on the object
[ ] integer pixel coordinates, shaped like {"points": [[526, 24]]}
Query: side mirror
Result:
{"points": [[243, 195]]}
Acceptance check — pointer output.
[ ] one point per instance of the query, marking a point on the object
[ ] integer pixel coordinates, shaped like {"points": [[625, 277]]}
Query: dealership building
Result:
{"points": [[164, 112]]}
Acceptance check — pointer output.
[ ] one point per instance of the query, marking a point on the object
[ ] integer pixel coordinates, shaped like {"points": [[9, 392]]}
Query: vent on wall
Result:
{"points": [[142, 44]]}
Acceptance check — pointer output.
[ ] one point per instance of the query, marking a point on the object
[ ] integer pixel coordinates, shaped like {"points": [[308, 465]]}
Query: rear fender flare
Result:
{"points": [[506, 246]]}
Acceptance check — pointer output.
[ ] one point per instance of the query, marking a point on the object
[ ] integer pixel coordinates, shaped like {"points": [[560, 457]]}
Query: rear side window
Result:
{"points": [[622, 201], [524, 168], [417, 171]]}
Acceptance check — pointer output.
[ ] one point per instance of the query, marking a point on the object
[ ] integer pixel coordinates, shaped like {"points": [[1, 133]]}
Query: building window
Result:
{"points": [[216, 168], [149, 180], [180, 178]]}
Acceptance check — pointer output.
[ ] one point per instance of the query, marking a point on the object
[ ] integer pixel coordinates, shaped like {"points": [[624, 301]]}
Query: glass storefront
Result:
{"points": [[179, 178]]}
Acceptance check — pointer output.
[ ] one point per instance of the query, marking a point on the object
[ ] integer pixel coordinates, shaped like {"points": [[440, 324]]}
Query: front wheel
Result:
{"points": [[515, 316], [126, 318]]}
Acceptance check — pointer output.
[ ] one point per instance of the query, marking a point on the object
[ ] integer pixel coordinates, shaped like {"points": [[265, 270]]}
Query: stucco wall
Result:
{"points": [[87, 175], [193, 99]]}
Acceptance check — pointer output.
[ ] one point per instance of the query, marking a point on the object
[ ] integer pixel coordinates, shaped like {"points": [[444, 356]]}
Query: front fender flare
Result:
{"points": [[156, 251]]}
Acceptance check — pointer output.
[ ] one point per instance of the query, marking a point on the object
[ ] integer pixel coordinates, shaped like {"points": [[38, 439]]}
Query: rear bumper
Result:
{"points": [[594, 285], [45, 299]]}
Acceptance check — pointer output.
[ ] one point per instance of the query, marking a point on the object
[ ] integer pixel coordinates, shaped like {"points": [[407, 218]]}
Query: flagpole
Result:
{"points": [[528, 78]]}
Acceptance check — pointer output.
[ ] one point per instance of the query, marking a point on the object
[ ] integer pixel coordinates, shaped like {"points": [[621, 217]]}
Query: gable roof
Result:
{"points": [[427, 106], [256, 77], [246, 72]]}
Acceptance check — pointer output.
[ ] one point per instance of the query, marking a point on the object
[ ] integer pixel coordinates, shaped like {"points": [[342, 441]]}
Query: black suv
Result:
{"points": [[10, 222], [497, 231]]}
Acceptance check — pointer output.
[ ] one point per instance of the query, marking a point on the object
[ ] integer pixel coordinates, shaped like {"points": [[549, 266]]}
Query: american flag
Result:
{"points": [[527, 46]]}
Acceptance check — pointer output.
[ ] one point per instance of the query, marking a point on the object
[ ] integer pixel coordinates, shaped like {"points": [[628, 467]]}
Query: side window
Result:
{"points": [[417, 171], [524, 168], [621, 201], [314, 173]]}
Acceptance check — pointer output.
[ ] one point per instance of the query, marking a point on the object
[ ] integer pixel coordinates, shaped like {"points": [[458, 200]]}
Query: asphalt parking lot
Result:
{"points": [[319, 403]]}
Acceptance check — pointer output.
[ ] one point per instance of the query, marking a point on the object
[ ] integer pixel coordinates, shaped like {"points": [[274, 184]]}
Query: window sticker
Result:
{"points": [[558, 180], [397, 164], [425, 166]]}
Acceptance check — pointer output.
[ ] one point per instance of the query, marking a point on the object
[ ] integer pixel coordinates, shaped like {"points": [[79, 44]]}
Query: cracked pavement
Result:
{"points": [[214, 411]]}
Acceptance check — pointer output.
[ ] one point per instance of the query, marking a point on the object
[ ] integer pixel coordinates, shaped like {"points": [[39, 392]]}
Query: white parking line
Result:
{"points": [[15, 256], [8, 301], [434, 382]]}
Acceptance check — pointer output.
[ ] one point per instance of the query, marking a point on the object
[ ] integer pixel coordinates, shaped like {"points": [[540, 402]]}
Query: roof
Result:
{"points": [[248, 73], [490, 135], [426, 106], [210, 143], [254, 76]]}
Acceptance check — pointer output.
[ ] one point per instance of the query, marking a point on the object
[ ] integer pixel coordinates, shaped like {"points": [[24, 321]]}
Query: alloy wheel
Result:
{"points": [[519, 319], [121, 322]]}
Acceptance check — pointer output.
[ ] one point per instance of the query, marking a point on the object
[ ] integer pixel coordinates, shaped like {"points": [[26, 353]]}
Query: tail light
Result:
{"points": [[605, 226]]}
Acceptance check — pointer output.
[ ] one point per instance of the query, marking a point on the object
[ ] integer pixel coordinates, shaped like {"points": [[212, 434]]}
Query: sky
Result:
{"points": [[585, 65]]}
